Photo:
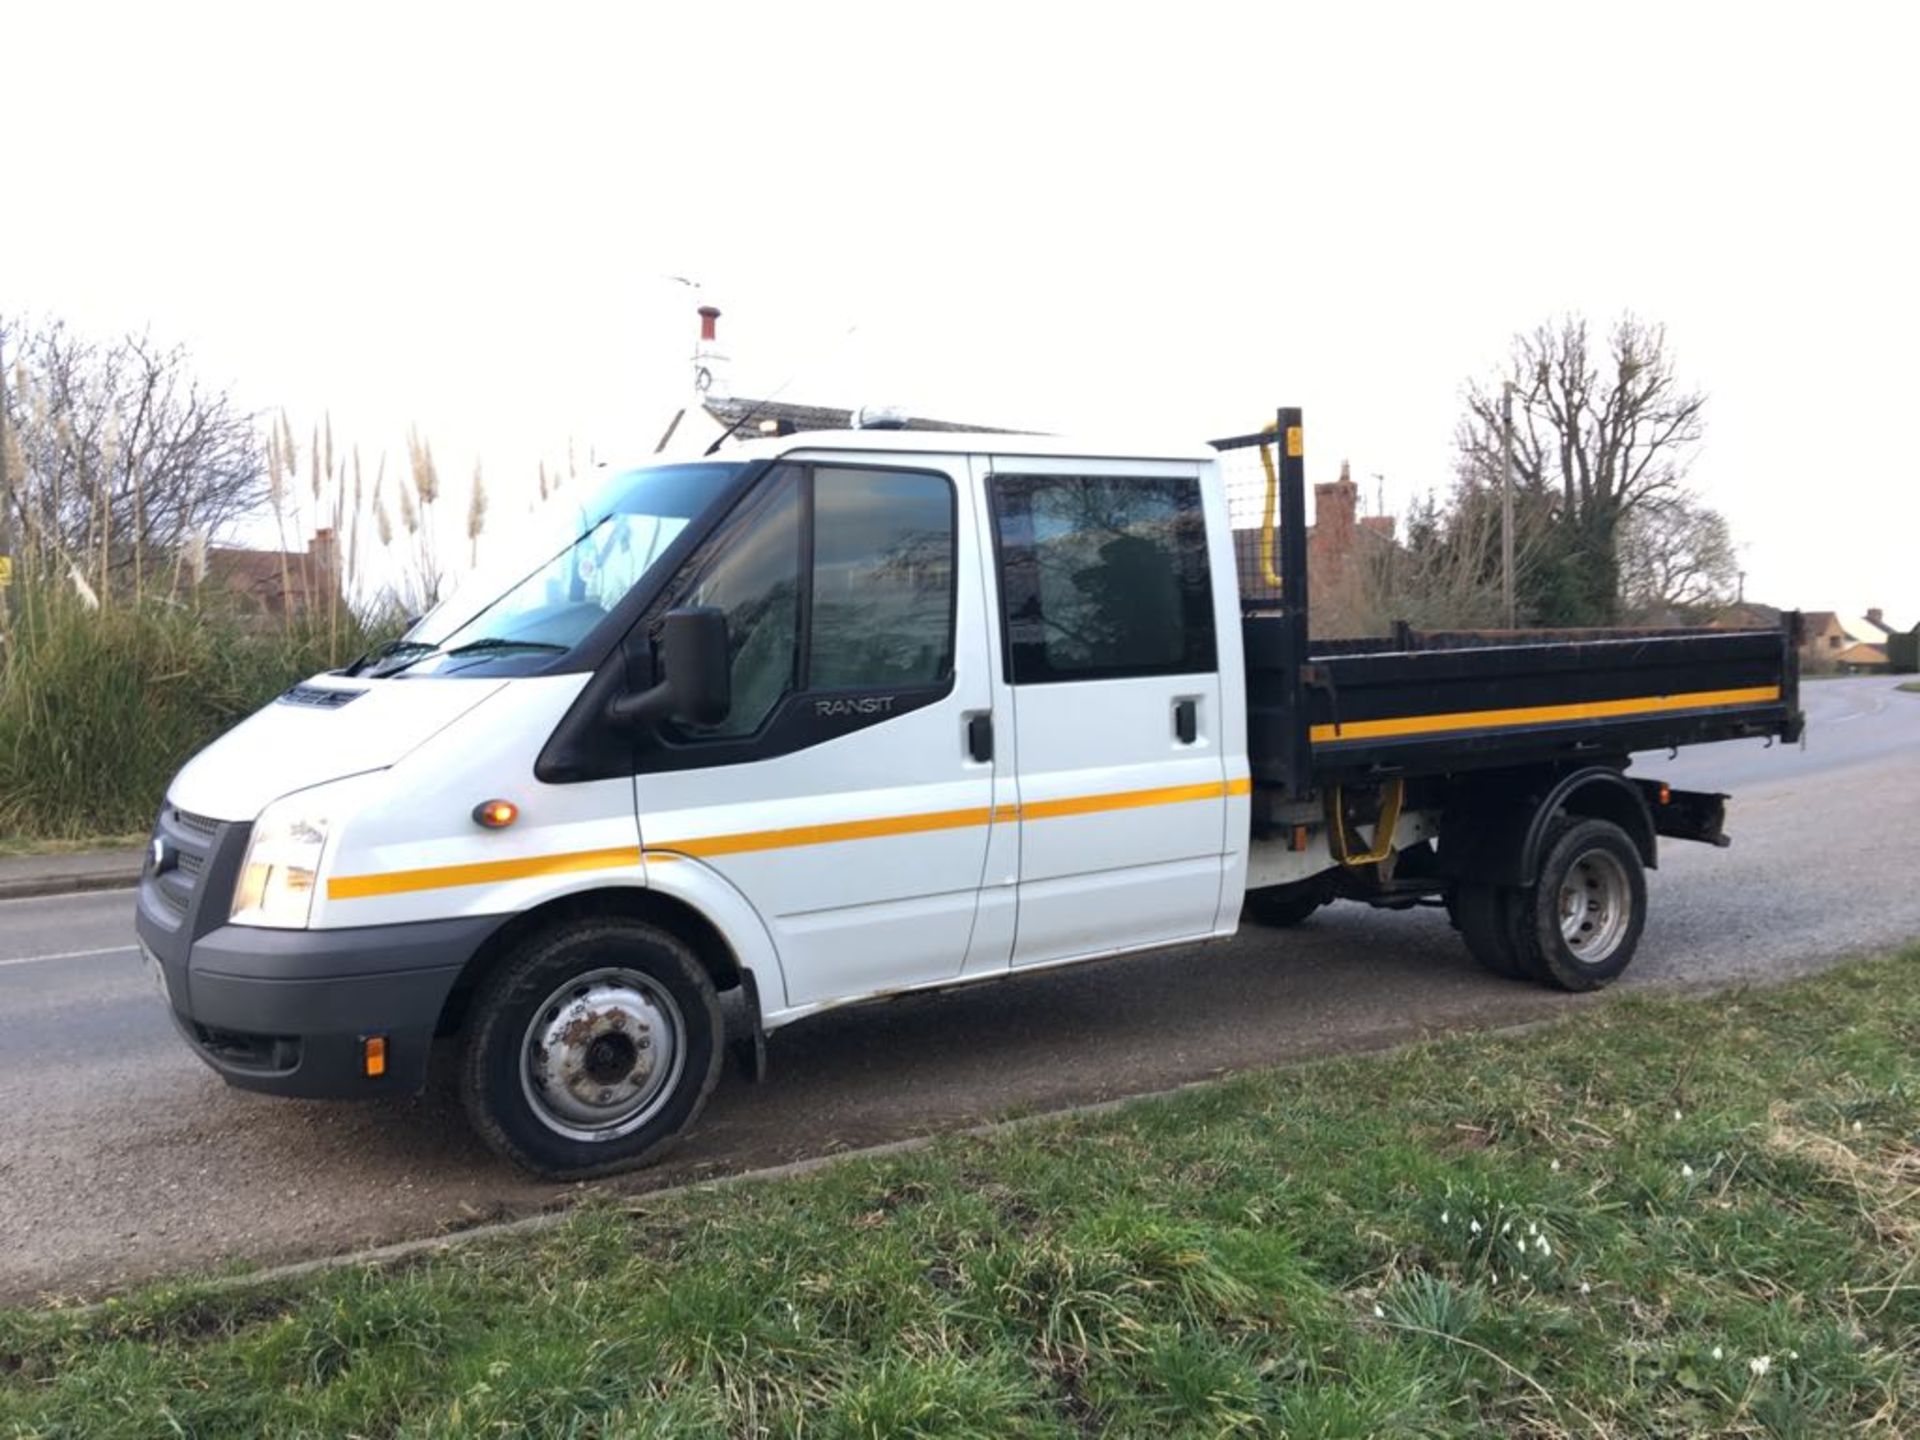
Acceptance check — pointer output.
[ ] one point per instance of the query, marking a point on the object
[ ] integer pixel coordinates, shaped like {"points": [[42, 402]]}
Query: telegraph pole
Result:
{"points": [[1506, 500]]}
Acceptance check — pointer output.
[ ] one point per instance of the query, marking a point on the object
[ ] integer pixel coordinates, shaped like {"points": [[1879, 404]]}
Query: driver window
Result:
{"points": [[755, 579]]}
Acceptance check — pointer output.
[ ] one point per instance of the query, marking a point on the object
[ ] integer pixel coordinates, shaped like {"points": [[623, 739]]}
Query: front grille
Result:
{"points": [[185, 840], [194, 824]]}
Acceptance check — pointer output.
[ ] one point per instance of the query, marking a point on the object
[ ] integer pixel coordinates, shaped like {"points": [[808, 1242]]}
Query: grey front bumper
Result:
{"points": [[286, 1011]]}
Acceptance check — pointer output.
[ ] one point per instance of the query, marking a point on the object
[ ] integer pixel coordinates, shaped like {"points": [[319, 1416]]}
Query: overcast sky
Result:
{"points": [[463, 217]]}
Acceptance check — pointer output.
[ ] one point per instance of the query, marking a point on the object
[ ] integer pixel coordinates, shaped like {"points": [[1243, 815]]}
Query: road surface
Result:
{"points": [[121, 1157]]}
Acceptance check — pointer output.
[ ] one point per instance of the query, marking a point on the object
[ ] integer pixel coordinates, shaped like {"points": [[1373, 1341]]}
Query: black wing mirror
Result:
{"points": [[696, 673]]}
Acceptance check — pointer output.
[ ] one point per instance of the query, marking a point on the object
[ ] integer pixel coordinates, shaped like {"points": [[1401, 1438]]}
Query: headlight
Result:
{"points": [[282, 866]]}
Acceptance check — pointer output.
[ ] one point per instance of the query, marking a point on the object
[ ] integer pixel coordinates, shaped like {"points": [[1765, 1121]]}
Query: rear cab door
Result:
{"points": [[1113, 626]]}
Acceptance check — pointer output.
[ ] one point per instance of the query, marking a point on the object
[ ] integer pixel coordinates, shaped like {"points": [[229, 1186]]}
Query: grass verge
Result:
{"points": [[1662, 1216], [1910, 687]]}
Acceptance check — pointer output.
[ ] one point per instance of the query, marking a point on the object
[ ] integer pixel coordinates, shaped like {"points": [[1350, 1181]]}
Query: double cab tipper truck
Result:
{"points": [[826, 717]]}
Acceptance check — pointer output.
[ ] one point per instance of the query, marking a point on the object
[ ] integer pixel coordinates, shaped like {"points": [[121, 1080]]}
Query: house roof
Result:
{"points": [[1861, 655], [275, 581], [1748, 615]]}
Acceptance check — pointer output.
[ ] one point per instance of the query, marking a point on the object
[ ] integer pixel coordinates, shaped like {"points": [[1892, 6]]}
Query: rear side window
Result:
{"points": [[1102, 577], [883, 546]]}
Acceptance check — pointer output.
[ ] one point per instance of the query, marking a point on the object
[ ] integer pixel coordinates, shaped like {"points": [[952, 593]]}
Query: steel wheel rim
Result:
{"points": [[602, 1054], [1596, 906]]}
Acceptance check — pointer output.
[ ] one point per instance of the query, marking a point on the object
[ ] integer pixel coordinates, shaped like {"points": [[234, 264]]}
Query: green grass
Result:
{"points": [[1911, 687], [1600, 1227]]}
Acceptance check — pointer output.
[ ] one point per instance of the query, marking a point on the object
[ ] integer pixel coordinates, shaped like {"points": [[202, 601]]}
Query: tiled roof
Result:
{"points": [[1861, 655]]}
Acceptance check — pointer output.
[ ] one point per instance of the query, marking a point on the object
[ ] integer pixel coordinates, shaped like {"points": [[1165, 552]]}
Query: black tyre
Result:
{"points": [[1581, 921], [1486, 917], [1277, 908], [590, 1047]]}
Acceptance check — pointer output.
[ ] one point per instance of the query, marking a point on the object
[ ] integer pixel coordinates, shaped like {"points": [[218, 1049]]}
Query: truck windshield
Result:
{"points": [[547, 599]]}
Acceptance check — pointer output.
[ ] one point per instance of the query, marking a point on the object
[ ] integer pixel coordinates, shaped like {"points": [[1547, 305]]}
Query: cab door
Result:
{"points": [[848, 795], [1110, 663]]}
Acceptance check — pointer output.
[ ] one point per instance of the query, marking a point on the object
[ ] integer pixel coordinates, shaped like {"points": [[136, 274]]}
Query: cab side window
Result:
{"points": [[1103, 577], [883, 553], [836, 579], [755, 579]]}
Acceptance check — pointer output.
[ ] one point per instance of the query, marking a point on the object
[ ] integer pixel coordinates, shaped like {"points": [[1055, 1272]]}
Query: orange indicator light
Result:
{"points": [[495, 814], [373, 1052]]}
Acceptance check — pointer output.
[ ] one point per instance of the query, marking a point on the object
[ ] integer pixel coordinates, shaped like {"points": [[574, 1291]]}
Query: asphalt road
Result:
{"points": [[121, 1157]]}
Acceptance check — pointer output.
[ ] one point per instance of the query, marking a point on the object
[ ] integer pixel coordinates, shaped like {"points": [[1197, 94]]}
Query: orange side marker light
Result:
{"points": [[495, 814], [373, 1053]]}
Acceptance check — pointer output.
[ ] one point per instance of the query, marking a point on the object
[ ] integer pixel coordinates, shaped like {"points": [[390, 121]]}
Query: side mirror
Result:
{"points": [[696, 674]]}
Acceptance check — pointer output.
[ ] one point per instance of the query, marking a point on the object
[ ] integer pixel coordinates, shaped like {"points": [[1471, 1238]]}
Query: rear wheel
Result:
{"points": [[591, 1047], [1486, 915], [1277, 908], [1581, 921]]}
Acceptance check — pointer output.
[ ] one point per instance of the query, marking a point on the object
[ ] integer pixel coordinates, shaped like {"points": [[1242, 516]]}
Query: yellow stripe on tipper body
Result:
{"points": [[1540, 714], [400, 882]]}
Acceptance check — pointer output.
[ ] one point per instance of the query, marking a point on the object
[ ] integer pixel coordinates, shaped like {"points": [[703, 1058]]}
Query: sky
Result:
{"points": [[1081, 218]]}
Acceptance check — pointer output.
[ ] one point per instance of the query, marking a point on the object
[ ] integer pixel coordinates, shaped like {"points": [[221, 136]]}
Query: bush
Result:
{"points": [[99, 708]]}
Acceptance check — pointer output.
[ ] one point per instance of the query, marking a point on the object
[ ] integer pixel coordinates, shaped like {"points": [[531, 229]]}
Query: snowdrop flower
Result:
{"points": [[1378, 1313], [1760, 1364], [1554, 1166], [1493, 1277], [1443, 1216], [1676, 1114], [1856, 1127], [1542, 1246], [1793, 1354], [1718, 1353], [1686, 1172], [1506, 1226], [1533, 1227], [1474, 1227], [1585, 1288]]}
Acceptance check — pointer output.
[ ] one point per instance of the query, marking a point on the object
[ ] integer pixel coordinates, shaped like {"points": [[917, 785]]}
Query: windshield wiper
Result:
{"points": [[502, 642], [387, 652]]}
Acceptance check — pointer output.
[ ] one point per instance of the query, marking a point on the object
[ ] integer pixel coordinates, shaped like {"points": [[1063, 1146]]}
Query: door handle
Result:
{"points": [[1186, 721], [980, 736]]}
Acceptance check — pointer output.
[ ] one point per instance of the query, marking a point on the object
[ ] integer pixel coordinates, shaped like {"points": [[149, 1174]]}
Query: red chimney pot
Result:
{"points": [[708, 314]]}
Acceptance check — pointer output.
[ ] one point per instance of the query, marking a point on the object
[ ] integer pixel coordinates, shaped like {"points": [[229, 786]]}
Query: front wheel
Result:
{"points": [[591, 1047]]}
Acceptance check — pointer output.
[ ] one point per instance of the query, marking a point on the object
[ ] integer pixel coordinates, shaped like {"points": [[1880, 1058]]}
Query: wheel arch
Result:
{"points": [[1501, 823], [1596, 793], [684, 921]]}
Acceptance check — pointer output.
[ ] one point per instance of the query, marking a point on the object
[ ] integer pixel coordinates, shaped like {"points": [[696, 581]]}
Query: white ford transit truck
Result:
{"points": [[832, 716]]}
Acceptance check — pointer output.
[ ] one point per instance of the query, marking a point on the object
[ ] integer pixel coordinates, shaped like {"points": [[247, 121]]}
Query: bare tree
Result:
{"points": [[1441, 573], [122, 454], [1601, 430], [1676, 559]]}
